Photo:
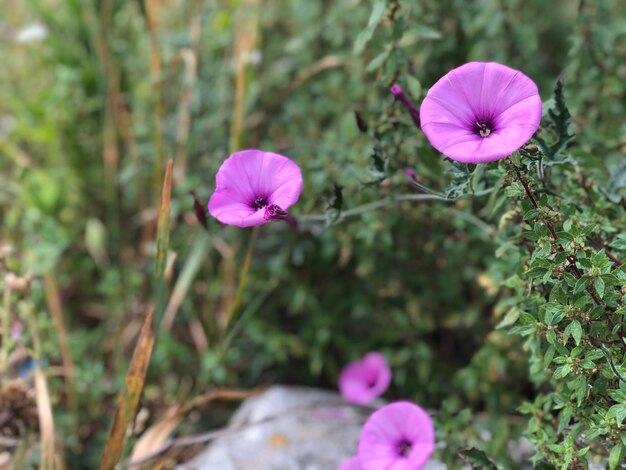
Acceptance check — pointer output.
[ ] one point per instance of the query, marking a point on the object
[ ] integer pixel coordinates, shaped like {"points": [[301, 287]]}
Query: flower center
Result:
{"points": [[259, 203], [483, 127], [371, 381], [403, 448]]}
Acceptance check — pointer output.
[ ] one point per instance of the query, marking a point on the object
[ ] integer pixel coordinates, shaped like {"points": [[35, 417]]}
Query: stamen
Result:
{"points": [[404, 448], [259, 203], [483, 128]]}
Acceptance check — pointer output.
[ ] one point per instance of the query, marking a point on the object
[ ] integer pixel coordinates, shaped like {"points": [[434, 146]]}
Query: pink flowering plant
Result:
{"points": [[366, 379], [485, 113], [481, 112], [440, 182], [398, 436], [254, 187]]}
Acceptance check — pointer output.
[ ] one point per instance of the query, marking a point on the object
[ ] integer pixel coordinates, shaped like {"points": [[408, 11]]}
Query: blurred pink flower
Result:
{"points": [[254, 187], [399, 436], [481, 112], [362, 381], [353, 463]]}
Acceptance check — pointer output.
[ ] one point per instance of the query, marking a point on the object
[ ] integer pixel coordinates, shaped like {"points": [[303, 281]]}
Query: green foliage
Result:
{"points": [[567, 293], [477, 459], [459, 296]]}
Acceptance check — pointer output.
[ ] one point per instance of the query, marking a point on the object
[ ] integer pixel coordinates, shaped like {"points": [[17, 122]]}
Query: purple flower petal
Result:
{"points": [[399, 436], [251, 180], [362, 381], [353, 463], [481, 112]]}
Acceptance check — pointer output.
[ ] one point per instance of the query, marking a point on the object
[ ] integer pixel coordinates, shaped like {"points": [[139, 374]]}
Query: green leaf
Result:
{"points": [[565, 236], [558, 121], [522, 330], [562, 371], [548, 356], [414, 86], [580, 286], [426, 32], [544, 466], [510, 318], [615, 456], [364, 36], [599, 285], [477, 459], [618, 412], [378, 61], [576, 331]]}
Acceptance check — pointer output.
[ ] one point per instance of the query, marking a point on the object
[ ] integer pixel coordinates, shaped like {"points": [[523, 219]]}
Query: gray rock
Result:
{"points": [[288, 428]]}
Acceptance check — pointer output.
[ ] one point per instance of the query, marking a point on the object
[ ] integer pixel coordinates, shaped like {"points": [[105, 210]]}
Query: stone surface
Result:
{"points": [[297, 428]]}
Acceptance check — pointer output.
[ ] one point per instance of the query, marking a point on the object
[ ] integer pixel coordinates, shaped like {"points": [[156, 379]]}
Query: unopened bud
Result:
{"points": [[398, 93], [200, 210], [360, 122]]}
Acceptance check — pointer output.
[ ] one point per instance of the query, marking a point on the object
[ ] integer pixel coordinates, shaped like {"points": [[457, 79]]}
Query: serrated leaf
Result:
{"points": [[619, 242], [565, 416], [615, 456], [562, 371], [618, 412], [477, 459], [544, 466], [576, 331], [510, 318], [548, 356], [598, 283], [580, 286], [522, 330], [558, 121]]}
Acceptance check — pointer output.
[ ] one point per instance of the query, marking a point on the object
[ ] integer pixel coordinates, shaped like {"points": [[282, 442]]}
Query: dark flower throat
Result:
{"points": [[404, 448], [259, 203], [483, 127]]}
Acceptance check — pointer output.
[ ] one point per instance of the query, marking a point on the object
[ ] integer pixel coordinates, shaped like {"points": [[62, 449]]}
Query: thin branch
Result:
{"points": [[372, 206]]}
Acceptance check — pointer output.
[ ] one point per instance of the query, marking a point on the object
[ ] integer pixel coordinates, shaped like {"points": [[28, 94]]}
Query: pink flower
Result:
{"points": [[254, 187], [362, 381], [481, 112], [399, 436], [353, 463]]}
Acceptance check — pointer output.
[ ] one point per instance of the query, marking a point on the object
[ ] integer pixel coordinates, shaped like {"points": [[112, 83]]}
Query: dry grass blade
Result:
{"points": [[46, 421], [163, 225], [128, 400], [154, 443], [246, 39], [157, 434], [190, 61], [53, 300], [153, 8], [183, 284]]}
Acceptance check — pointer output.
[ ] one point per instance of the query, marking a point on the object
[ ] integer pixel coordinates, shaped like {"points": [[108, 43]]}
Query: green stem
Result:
{"points": [[243, 279], [372, 206]]}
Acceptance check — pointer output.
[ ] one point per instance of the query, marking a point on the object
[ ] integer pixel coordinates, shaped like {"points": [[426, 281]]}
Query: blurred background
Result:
{"points": [[95, 96]]}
